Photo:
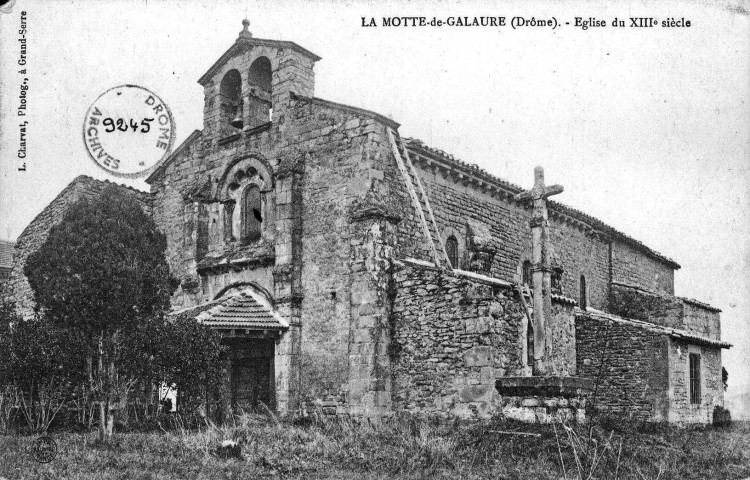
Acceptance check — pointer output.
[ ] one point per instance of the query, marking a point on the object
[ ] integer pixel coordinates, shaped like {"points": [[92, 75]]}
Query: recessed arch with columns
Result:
{"points": [[246, 166], [248, 174]]}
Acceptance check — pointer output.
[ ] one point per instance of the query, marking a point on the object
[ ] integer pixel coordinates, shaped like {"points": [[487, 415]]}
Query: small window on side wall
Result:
{"points": [[695, 378], [451, 248], [530, 345], [583, 298]]}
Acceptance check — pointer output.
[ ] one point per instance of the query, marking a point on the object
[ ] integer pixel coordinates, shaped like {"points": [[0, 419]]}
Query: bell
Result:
{"points": [[236, 122]]}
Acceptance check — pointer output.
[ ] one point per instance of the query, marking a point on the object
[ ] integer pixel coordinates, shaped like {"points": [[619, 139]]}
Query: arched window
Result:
{"points": [[230, 92], [582, 300], [259, 78], [451, 248], [526, 276], [251, 212]]}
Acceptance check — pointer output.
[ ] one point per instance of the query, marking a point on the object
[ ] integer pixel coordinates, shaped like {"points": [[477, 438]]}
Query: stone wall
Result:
{"points": [[17, 287], [712, 390], [324, 161], [576, 251], [631, 266], [347, 158], [663, 309], [452, 337], [633, 302], [629, 364], [701, 319]]}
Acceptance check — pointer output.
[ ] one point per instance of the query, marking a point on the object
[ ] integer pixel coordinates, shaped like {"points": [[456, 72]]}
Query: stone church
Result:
{"points": [[355, 272]]}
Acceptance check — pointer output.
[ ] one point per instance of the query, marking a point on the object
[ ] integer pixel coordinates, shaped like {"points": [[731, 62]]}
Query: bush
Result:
{"points": [[722, 417]]}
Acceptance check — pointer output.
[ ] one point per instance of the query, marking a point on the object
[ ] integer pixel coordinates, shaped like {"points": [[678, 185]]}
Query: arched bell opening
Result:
{"points": [[230, 94], [260, 99]]}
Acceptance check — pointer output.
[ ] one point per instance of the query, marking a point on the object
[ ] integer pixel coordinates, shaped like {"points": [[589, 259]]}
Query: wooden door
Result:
{"points": [[251, 382]]}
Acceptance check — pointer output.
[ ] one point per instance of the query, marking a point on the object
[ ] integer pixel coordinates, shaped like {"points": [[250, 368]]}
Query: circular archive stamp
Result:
{"points": [[128, 130], [44, 449]]}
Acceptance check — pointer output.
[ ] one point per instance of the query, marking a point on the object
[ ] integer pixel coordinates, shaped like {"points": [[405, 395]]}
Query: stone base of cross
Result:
{"points": [[541, 270]]}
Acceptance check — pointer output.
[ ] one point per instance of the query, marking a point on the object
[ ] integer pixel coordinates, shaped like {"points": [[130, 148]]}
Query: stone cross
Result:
{"points": [[541, 269]]}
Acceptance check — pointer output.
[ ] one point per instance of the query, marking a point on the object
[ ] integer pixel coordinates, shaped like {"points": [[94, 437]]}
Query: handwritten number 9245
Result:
{"points": [[123, 125]]}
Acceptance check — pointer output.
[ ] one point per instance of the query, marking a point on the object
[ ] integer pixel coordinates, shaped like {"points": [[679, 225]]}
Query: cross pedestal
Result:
{"points": [[541, 270]]}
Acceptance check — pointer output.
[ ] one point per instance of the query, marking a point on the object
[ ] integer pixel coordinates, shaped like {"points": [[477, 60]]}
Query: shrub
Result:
{"points": [[722, 417]]}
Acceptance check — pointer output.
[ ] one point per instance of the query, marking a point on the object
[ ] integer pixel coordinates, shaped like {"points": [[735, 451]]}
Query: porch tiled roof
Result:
{"points": [[246, 309]]}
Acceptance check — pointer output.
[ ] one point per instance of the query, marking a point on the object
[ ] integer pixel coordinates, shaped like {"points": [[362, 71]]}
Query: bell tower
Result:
{"points": [[251, 83]]}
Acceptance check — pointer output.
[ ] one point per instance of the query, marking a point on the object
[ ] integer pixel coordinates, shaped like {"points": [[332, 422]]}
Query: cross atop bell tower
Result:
{"points": [[541, 269], [245, 33]]}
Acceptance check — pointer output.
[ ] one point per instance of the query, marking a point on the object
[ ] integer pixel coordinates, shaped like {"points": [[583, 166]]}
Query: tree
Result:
{"points": [[102, 273], [40, 367], [190, 360], [180, 352]]}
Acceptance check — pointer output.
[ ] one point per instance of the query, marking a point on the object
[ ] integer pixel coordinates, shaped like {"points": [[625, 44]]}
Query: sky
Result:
{"points": [[648, 129]]}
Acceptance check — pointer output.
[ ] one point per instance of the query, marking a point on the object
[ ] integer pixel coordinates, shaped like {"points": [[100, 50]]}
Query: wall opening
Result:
{"points": [[260, 79], [230, 98], [582, 297], [451, 248], [529, 345], [695, 378], [251, 213]]}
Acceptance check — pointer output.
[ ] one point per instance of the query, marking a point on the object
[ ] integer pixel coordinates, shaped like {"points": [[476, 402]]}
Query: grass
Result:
{"points": [[395, 449]]}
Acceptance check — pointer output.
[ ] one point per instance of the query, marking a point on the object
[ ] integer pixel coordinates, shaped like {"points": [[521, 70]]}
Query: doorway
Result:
{"points": [[252, 374]]}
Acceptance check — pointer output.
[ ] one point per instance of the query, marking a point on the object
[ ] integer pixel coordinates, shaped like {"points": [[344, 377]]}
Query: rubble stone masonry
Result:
{"points": [[17, 288], [577, 251], [451, 338], [340, 250], [711, 388], [629, 366], [663, 309]]}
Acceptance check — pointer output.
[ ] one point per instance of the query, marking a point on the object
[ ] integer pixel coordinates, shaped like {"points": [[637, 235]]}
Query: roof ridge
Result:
{"points": [[348, 108], [676, 332], [80, 179], [89, 177], [241, 43], [160, 167], [417, 145]]}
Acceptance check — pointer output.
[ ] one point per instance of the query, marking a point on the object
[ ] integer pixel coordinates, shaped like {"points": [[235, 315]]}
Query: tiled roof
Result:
{"points": [[347, 108], [563, 299], [242, 44], [192, 312], [6, 253], [652, 327], [698, 303], [246, 309], [417, 147], [691, 301]]}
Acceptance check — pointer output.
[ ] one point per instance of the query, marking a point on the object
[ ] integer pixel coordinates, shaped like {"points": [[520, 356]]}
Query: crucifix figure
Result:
{"points": [[541, 269]]}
